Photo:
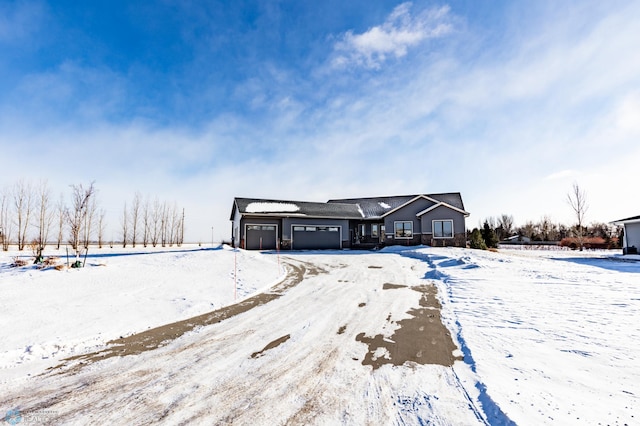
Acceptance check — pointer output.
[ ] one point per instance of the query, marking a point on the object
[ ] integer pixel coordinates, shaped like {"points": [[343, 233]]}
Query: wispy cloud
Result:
{"points": [[19, 20], [520, 116], [393, 38]]}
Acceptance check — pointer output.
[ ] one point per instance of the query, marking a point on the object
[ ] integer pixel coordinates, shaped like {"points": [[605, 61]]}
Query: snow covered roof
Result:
{"points": [[271, 207], [350, 208], [254, 206], [627, 220], [380, 206]]}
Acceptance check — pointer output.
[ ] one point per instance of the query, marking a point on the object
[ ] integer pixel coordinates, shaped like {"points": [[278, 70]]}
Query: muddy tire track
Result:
{"points": [[159, 336]]}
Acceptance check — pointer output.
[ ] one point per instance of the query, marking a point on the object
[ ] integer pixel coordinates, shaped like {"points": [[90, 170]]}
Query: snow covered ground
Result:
{"points": [[543, 338], [50, 314]]}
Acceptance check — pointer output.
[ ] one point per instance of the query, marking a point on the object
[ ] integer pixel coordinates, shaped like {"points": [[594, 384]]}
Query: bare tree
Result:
{"points": [[45, 214], [156, 220], [528, 230], [181, 235], [164, 220], [76, 216], [89, 221], [505, 221], [22, 200], [125, 226], [5, 220], [101, 227], [548, 230], [577, 199], [135, 217], [146, 222], [61, 213]]}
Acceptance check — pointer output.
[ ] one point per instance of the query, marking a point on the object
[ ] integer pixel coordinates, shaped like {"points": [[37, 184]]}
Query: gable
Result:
{"points": [[443, 206], [380, 207]]}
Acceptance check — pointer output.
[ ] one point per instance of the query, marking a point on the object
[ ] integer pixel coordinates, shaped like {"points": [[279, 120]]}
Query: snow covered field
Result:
{"points": [[543, 338], [49, 314]]}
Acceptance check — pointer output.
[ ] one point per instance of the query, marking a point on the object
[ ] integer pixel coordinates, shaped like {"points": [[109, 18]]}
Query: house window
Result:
{"points": [[374, 230], [261, 227], [403, 229], [361, 229], [443, 229]]}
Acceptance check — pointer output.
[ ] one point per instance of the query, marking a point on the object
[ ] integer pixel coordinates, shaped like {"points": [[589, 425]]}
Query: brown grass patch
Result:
{"points": [[51, 261], [19, 262]]}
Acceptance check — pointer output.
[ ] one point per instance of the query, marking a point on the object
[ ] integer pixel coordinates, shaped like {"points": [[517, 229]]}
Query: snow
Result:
{"points": [[271, 207], [546, 337], [384, 205], [55, 314]]}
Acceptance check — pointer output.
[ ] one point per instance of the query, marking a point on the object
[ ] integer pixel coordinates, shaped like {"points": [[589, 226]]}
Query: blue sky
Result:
{"points": [[508, 103]]}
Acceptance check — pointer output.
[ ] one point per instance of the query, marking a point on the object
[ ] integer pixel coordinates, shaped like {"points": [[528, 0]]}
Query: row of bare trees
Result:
{"points": [[151, 222], [30, 217]]}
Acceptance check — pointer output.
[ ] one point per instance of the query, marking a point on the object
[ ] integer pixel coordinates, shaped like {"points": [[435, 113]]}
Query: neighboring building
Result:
{"points": [[631, 239], [516, 239], [431, 219]]}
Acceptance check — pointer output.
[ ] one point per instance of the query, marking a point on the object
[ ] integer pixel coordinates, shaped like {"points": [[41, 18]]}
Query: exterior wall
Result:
{"points": [[444, 213], [236, 232], [407, 213], [632, 235]]}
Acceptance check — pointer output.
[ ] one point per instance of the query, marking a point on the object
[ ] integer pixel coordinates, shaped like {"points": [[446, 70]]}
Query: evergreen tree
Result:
{"points": [[476, 241], [489, 235]]}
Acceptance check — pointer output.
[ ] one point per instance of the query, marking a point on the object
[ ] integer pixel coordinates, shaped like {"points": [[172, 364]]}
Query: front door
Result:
{"points": [[377, 232]]}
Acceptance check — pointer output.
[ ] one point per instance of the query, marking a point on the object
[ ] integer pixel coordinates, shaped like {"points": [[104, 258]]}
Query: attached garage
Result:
{"points": [[316, 237], [261, 237]]}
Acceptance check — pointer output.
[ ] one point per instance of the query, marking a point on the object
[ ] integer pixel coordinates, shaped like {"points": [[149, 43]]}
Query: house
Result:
{"points": [[516, 239], [631, 239], [432, 219]]}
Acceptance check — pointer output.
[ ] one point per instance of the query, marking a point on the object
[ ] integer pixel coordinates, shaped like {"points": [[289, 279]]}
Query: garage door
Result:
{"points": [[260, 237], [316, 237]]}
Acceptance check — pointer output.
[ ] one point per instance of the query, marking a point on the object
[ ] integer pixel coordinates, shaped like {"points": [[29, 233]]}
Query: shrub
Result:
{"points": [[476, 241]]}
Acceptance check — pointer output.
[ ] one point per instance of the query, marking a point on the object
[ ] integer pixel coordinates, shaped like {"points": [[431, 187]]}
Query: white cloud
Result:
{"points": [[393, 38]]}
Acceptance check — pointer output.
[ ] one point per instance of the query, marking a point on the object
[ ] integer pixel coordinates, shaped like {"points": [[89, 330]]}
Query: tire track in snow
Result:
{"points": [[313, 377], [159, 336]]}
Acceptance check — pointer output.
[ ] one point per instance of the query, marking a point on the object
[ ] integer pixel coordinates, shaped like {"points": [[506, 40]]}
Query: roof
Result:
{"points": [[348, 208], [627, 220], [380, 206], [262, 207]]}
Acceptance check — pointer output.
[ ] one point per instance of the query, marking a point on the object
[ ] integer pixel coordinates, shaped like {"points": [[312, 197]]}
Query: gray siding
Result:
{"points": [[443, 213], [632, 235], [407, 213]]}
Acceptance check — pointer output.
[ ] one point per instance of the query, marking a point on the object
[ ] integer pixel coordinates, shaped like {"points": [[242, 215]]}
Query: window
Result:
{"points": [[361, 229], [298, 228], [374, 230], [261, 227], [403, 229], [443, 229]]}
